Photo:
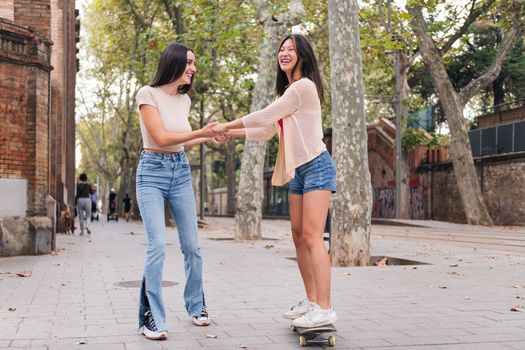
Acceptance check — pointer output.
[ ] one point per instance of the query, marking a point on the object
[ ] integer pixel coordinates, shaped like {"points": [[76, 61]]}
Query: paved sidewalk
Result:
{"points": [[461, 300]]}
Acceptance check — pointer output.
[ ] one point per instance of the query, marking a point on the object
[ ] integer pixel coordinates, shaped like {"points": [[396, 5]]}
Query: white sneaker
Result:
{"points": [[298, 309], [150, 331], [203, 319], [316, 317]]}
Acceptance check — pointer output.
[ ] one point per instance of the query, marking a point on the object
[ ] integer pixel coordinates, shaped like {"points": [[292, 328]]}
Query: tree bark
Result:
{"points": [[453, 104], [352, 205], [250, 194], [231, 158], [405, 171]]}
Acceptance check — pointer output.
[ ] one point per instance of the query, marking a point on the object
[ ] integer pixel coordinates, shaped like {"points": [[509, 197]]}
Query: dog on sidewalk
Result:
{"points": [[69, 222]]}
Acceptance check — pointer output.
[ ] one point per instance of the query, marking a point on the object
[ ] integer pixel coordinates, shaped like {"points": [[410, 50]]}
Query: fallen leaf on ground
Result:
{"points": [[12, 309], [441, 287], [490, 257], [269, 246], [517, 286], [454, 273], [455, 265], [210, 335], [244, 346], [382, 262], [25, 273], [519, 297], [517, 308], [82, 342], [131, 233]]}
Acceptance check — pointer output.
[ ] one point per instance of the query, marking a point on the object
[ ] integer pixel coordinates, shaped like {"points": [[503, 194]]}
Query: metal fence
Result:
{"points": [[499, 139]]}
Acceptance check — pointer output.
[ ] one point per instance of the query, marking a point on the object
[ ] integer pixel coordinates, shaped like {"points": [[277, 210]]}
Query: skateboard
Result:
{"points": [[315, 335]]}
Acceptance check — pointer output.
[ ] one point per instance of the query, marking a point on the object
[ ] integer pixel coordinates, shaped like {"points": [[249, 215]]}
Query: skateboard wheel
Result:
{"points": [[331, 340], [302, 340]]}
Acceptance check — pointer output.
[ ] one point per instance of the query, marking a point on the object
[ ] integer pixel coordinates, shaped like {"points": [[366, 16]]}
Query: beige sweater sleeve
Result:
{"points": [[285, 105], [263, 133]]}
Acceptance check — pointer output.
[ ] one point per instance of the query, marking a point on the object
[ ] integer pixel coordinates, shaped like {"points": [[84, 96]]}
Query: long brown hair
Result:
{"points": [[172, 64], [306, 62]]}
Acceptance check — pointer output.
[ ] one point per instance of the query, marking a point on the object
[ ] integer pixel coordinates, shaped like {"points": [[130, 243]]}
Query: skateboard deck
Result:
{"points": [[315, 335]]}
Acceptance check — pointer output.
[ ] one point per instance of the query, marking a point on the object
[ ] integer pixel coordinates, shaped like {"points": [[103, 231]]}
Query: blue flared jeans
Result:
{"points": [[166, 177]]}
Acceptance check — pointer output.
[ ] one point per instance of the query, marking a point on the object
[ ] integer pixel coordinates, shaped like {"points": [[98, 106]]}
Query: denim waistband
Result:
{"points": [[163, 156]]}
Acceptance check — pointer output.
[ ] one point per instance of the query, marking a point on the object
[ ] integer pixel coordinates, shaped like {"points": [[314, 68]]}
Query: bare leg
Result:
{"points": [[315, 209], [302, 252]]}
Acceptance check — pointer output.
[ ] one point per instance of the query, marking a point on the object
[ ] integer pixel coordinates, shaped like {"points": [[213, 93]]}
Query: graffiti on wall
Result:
{"points": [[385, 203], [416, 203]]}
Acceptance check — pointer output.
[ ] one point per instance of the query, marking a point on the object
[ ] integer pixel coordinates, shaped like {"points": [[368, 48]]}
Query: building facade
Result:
{"points": [[37, 112]]}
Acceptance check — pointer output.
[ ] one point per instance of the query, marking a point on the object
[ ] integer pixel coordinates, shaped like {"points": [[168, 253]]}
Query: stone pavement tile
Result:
{"points": [[234, 342], [475, 346], [417, 347], [423, 340], [437, 332], [369, 334], [518, 345], [234, 332], [17, 343], [363, 343], [146, 344], [488, 338], [88, 347]]}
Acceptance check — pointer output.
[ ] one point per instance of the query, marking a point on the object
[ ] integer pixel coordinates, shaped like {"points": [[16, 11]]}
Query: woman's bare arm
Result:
{"points": [[153, 122]]}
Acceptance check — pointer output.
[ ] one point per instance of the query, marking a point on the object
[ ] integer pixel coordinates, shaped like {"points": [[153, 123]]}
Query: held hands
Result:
{"points": [[217, 133], [220, 128], [220, 139]]}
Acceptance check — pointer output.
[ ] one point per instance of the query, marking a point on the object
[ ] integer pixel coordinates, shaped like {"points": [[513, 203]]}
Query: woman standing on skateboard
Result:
{"points": [[302, 158], [163, 174]]}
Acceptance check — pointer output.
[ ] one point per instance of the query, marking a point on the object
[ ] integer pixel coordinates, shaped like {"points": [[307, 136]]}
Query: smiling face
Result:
{"points": [[185, 78], [287, 57]]}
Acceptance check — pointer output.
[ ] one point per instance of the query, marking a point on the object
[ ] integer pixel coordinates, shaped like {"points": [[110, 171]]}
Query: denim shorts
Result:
{"points": [[317, 174]]}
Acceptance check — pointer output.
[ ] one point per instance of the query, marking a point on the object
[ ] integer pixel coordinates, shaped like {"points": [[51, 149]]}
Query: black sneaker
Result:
{"points": [[203, 319], [150, 330]]}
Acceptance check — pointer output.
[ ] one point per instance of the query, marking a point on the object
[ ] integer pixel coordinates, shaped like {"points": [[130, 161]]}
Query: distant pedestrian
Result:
{"points": [[83, 203], [112, 212], [94, 214], [127, 207]]}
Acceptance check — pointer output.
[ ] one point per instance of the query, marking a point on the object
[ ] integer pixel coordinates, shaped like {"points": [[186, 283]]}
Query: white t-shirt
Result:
{"points": [[173, 110]]}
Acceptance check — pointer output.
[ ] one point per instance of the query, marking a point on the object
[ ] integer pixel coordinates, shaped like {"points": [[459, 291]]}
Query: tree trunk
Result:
{"points": [[499, 91], [352, 205], [250, 194], [405, 171], [231, 157], [453, 104]]}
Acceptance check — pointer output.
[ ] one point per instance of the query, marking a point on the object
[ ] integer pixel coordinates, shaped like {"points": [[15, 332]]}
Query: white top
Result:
{"points": [[173, 110]]}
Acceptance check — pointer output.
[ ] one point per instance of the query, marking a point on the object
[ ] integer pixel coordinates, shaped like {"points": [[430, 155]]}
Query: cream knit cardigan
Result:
{"points": [[302, 140]]}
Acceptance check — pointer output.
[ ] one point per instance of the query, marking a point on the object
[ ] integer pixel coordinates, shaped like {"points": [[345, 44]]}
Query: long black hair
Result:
{"points": [[306, 62], [172, 64]]}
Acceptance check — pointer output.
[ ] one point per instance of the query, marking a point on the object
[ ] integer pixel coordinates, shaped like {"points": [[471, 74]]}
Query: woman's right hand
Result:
{"points": [[207, 131], [220, 128]]}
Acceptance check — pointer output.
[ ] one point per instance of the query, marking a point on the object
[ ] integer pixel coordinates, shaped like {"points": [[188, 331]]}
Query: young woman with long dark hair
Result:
{"points": [[302, 159], [163, 174]]}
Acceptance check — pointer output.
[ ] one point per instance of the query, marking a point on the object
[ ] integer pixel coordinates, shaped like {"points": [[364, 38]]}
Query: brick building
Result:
{"points": [[37, 116]]}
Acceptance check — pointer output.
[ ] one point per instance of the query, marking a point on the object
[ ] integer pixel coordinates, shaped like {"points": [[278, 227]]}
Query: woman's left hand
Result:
{"points": [[220, 139]]}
